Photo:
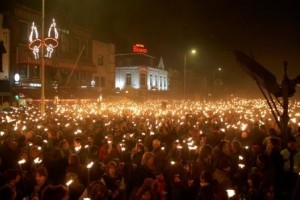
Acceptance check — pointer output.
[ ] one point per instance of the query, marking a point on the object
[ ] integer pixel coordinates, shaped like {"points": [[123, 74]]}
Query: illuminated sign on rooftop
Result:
{"points": [[139, 48]]}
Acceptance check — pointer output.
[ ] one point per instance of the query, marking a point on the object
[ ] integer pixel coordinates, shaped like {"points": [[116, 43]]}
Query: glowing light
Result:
{"points": [[21, 162], [77, 148], [90, 165], [37, 161], [241, 166], [230, 193], [69, 182], [50, 42]]}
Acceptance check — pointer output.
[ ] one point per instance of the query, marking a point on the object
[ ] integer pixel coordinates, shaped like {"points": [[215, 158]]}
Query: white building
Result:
{"points": [[138, 70]]}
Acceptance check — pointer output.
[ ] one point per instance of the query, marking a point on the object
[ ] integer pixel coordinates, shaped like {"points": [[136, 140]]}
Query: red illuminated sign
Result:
{"points": [[139, 48]]}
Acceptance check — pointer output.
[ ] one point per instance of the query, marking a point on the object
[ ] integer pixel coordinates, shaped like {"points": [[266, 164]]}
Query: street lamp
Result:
{"points": [[193, 51], [217, 81], [35, 44], [219, 69]]}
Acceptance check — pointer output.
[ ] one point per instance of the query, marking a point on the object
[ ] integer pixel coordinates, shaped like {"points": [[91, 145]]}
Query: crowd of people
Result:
{"points": [[119, 150]]}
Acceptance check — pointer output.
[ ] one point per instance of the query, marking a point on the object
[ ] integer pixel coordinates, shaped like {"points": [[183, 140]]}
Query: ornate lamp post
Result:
{"points": [[36, 44]]}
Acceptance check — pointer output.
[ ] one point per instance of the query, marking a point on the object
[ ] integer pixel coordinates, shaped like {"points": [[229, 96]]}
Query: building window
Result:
{"points": [[102, 81], [34, 72], [64, 43], [100, 60], [151, 81], [160, 81], [23, 32], [23, 71], [165, 82], [97, 81], [128, 79], [143, 80], [156, 81]]}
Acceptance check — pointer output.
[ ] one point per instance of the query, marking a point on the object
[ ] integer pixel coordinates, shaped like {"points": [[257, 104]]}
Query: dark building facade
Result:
{"points": [[70, 67]]}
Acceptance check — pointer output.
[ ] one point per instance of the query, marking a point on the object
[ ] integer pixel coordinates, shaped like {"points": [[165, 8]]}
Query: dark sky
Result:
{"points": [[267, 29]]}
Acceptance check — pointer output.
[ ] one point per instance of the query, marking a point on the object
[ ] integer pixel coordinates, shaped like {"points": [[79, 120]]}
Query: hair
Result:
{"points": [[42, 171], [97, 190], [237, 145], [207, 176], [57, 154], [156, 142], [54, 192], [275, 143], [222, 163], [62, 143], [112, 164], [74, 159], [77, 139], [143, 189], [255, 178], [140, 146], [146, 157], [11, 174], [93, 151]]}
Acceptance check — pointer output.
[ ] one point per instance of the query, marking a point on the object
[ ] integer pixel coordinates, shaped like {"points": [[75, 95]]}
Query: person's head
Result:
{"points": [[261, 160], [90, 139], [203, 139], [225, 147], [148, 159], [57, 154], [145, 193], [112, 168], [29, 135], [273, 145], [223, 164], [254, 180], [64, 144], [155, 144], [12, 176], [77, 142], [97, 190], [93, 152], [41, 175], [205, 152], [160, 176], [35, 151], [236, 146], [55, 192], [291, 143], [206, 177], [74, 159], [139, 147]]}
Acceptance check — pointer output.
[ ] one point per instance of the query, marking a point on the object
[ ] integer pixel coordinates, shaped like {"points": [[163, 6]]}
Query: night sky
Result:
{"points": [[269, 30]]}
